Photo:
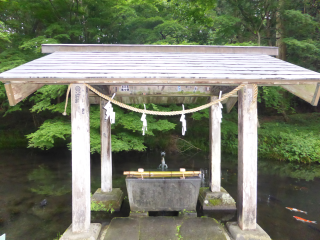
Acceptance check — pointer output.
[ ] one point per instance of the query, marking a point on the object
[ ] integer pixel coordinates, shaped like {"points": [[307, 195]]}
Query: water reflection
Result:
{"points": [[27, 177], [46, 182]]}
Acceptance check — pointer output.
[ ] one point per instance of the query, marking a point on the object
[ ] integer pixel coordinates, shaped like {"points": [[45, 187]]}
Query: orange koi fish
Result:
{"points": [[295, 210], [304, 220]]}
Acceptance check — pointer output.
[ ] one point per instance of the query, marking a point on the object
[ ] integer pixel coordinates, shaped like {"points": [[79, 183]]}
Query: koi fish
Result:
{"points": [[304, 220], [295, 210]]}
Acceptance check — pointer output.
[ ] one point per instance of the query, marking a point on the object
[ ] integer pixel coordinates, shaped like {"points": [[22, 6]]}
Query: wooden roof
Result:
{"points": [[145, 65], [188, 65]]}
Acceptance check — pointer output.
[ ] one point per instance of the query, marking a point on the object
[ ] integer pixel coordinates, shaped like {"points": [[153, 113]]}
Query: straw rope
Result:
{"points": [[166, 113]]}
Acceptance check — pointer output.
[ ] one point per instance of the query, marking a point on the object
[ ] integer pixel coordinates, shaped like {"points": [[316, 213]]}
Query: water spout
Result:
{"points": [[163, 164]]}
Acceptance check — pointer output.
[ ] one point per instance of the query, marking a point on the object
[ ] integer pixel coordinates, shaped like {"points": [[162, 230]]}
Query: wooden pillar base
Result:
{"points": [[92, 233], [238, 234]]}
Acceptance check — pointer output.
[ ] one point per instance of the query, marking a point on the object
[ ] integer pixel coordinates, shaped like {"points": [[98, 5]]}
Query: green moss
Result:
{"points": [[203, 189], [215, 202], [215, 220], [178, 232], [99, 206]]}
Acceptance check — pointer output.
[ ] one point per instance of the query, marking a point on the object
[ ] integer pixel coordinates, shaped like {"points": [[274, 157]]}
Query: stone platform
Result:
{"points": [[113, 198], [216, 200], [164, 228]]}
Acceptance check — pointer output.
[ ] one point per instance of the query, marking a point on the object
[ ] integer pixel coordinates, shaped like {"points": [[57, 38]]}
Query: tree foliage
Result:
{"points": [[25, 25]]}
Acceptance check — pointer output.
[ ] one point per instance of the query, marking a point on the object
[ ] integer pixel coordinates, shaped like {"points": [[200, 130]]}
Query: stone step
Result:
{"points": [[165, 228]]}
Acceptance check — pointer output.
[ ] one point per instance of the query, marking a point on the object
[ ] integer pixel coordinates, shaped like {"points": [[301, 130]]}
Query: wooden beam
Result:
{"points": [[17, 92], [230, 103], [166, 81], [106, 153], [50, 48], [81, 210], [170, 91], [215, 148], [309, 93], [155, 100], [101, 88], [247, 159]]}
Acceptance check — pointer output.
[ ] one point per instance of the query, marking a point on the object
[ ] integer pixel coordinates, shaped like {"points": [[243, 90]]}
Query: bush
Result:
{"points": [[298, 141]]}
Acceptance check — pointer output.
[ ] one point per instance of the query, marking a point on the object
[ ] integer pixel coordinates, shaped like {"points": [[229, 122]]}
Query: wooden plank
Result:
{"points": [[160, 68], [106, 154], [156, 54], [230, 103], [17, 92], [247, 159], [174, 72], [55, 77], [316, 96], [10, 94], [81, 211], [134, 54], [50, 48], [158, 60], [163, 61], [309, 93], [154, 59], [215, 148], [162, 81]]}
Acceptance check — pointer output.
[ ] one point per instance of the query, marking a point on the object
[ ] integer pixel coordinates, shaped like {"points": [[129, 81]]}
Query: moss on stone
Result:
{"points": [[215, 220], [215, 202], [203, 189]]}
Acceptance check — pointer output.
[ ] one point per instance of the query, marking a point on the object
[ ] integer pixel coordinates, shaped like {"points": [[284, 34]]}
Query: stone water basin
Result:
{"points": [[163, 194]]}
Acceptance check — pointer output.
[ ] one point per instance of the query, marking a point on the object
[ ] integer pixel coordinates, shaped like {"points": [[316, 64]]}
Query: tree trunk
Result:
{"points": [[268, 30], [280, 32], [285, 116]]}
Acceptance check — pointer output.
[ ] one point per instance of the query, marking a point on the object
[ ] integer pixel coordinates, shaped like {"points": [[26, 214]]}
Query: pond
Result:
{"points": [[27, 177]]}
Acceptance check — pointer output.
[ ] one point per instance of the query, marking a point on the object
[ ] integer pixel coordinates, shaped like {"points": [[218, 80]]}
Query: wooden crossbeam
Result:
{"points": [[231, 102], [17, 92], [309, 93]]}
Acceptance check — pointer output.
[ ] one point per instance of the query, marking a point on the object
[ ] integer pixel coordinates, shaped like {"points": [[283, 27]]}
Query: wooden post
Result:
{"points": [[215, 148], [81, 212], [106, 154], [247, 159]]}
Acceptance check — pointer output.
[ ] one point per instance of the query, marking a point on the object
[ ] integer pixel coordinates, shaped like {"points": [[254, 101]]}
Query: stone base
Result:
{"points": [[139, 214], [92, 234], [114, 198], [216, 200], [238, 234], [188, 214]]}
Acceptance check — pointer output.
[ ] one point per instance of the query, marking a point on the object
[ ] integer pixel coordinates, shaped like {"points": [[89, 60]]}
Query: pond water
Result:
{"points": [[27, 177]]}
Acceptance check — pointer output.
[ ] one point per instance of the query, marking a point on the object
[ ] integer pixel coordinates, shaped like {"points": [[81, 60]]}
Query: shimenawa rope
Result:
{"points": [[164, 113]]}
